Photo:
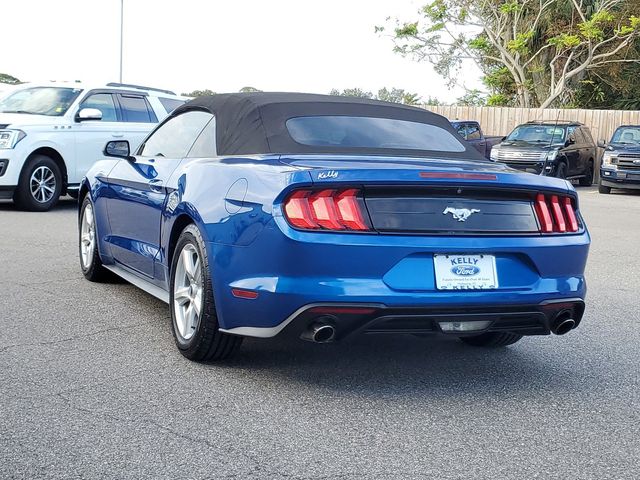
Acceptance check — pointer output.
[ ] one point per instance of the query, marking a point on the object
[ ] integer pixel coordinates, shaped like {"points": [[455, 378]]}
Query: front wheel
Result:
{"points": [[492, 339], [193, 313], [561, 170], [39, 186], [604, 189]]}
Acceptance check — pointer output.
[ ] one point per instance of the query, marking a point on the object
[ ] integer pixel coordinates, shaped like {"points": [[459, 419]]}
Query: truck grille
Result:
{"points": [[626, 161], [520, 155]]}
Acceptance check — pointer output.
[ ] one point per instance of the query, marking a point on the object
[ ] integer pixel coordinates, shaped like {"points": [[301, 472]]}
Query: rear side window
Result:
{"points": [[103, 102], [170, 104], [174, 138], [473, 131], [205, 144], [136, 109], [587, 135], [371, 132]]}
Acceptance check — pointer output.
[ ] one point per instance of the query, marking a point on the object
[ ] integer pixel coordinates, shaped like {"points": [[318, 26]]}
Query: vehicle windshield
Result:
{"points": [[543, 134], [626, 136], [370, 132], [51, 101]]}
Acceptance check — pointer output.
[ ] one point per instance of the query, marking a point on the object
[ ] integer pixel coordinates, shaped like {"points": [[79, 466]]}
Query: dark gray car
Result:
{"points": [[559, 149]]}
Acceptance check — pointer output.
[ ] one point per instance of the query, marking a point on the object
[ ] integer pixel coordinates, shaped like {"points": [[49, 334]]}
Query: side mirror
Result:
{"points": [[118, 149], [85, 114], [602, 144], [503, 139], [570, 141]]}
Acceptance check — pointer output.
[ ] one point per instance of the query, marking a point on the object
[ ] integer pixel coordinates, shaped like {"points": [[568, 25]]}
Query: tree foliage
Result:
{"points": [[394, 95], [199, 93], [5, 78], [533, 53]]}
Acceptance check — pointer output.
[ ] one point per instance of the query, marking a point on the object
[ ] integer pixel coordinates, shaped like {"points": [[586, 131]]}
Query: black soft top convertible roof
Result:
{"points": [[255, 123]]}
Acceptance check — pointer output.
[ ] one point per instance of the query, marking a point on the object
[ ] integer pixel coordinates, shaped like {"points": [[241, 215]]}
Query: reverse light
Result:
{"points": [[556, 214], [327, 209]]}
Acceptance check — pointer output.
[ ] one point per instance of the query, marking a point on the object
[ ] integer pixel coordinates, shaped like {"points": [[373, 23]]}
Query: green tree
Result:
{"points": [[351, 92], [533, 53], [394, 95], [249, 89], [5, 78], [199, 93]]}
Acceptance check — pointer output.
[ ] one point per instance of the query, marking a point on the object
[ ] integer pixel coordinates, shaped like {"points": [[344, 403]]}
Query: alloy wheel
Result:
{"points": [[87, 236], [187, 292], [42, 184]]}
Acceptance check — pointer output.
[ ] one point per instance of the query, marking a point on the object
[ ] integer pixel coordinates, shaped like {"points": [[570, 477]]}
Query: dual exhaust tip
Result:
{"points": [[323, 330]]}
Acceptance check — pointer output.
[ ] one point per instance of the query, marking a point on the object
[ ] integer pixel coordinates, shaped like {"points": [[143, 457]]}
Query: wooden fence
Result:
{"points": [[501, 120]]}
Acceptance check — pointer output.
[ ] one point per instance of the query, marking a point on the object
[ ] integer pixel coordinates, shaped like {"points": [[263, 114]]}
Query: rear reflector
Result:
{"points": [[240, 293], [327, 209], [556, 214]]}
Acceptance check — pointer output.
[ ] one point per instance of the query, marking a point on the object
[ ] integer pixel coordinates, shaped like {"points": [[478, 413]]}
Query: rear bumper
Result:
{"points": [[351, 318], [288, 273]]}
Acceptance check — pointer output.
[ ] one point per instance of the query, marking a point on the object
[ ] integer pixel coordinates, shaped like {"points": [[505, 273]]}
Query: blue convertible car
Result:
{"points": [[267, 214]]}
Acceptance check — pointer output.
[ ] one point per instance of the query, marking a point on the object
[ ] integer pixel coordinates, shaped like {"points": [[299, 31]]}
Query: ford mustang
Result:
{"points": [[319, 217]]}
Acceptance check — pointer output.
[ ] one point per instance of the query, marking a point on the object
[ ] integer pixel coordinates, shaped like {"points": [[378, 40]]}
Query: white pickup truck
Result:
{"points": [[50, 134]]}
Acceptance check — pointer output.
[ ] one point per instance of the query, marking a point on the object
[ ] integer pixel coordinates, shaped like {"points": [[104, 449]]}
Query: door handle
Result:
{"points": [[156, 185], [117, 135]]}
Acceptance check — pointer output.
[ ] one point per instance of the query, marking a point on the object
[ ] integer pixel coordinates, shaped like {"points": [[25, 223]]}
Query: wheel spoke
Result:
{"points": [[196, 304], [187, 259], [181, 295]]}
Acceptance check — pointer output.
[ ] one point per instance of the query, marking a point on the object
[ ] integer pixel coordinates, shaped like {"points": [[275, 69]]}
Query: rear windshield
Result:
{"points": [[538, 134], [370, 132], [627, 136]]}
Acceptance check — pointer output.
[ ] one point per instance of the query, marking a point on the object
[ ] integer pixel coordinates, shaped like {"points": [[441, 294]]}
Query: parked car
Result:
{"points": [[621, 160], [264, 214], [473, 134], [50, 134], [558, 149]]}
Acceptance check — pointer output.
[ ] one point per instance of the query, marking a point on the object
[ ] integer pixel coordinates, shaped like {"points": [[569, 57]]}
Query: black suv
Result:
{"points": [[621, 160], [559, 149]]}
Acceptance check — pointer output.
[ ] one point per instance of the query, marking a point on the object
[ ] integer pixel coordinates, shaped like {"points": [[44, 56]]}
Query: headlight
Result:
{"points": [[609, 159], [9, 138], [494, 153], [551, 155]]}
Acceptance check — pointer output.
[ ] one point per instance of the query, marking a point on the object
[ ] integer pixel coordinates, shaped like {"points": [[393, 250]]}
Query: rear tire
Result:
{"points": [[90, 261], [604, 189], [193, 312], [588, 180], [492, 339], [39, 186]]}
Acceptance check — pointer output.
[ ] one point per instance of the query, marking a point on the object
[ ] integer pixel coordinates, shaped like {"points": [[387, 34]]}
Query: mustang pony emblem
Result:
{"points": [[460, 214]]}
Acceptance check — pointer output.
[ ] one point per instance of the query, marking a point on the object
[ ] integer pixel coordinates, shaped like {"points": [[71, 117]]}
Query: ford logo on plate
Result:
{"points": [[465, 270]]}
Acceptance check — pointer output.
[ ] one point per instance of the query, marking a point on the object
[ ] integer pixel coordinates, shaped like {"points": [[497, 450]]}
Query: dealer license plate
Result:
{"points": [[465, 272]]}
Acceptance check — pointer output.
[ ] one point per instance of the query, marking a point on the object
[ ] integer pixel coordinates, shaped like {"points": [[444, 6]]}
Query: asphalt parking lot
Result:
{"points": [[91, 385]]}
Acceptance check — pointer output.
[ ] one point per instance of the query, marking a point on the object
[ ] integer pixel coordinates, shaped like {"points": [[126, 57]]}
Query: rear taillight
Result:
{"points": [[328, 209], [556, 214]]}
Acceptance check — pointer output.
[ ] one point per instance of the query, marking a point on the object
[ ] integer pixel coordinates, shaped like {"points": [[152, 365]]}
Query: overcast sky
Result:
{"points": [[223, 45]]}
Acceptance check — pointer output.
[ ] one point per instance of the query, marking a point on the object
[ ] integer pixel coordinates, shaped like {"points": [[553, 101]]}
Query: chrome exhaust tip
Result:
{"points": [[563, 323], [321, 331]]}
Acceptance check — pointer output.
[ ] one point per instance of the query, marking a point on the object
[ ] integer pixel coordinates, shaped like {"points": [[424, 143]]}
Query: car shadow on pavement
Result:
{"points": [[406, 366], [65, 204]]}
